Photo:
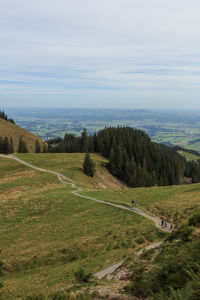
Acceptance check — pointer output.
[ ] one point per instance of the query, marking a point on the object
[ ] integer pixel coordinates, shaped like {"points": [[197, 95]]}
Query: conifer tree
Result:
{"points": [[37, 147], [1, 144], [84, 141], [5, 146], [22, 147], [11, 145], [88, 165]]}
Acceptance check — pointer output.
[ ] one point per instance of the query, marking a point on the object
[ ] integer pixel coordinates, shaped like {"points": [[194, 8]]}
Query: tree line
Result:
{"points": [[6, 146], [133, 157], [4, 116]]}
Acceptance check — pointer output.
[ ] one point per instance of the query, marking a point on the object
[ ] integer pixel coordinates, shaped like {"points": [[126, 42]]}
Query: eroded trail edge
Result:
{"points": [[62, 178]]}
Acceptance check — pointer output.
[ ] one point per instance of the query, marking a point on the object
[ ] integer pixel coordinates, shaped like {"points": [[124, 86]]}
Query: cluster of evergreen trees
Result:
{"points": [[6, 145], [136, 160], [4, 116], [132, 156], [193, 171]]}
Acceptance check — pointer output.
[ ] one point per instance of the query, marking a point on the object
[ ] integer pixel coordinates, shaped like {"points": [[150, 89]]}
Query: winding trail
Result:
{"points": [[77, 190]]}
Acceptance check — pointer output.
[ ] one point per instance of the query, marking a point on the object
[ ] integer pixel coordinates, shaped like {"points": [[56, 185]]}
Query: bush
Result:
{"points": [[82, 276], [194, 220], [184, 232]]}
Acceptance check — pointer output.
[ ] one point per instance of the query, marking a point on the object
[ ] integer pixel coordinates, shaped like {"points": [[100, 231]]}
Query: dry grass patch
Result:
{"points": [[11, 177], [9, 129]]}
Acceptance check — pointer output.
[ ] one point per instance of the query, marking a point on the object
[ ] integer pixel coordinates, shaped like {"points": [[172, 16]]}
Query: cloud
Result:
{"points": [[105, 50]]}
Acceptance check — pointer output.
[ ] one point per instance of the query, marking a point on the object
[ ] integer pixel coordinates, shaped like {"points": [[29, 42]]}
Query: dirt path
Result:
{"points": [[111, 269], [71, 182]]}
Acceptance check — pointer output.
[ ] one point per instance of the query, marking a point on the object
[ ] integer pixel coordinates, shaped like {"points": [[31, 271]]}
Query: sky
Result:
{"points": [[100, 53]]}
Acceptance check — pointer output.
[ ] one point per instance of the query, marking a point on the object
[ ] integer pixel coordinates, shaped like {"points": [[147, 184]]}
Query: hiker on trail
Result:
{"points": [[133, 203], [171, 227], [165, 222], [136, 203], [162, 222]]}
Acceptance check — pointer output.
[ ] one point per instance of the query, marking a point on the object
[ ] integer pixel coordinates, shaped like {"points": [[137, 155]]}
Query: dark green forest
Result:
{"points": [[133, 157]]}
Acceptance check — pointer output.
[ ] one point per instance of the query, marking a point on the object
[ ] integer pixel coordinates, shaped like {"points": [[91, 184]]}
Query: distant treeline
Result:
{"points": [[4, 116], [132, 156], [194, 142]]}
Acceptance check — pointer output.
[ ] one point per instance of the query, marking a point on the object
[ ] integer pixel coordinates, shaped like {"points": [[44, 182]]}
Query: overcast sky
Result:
{"points": [[100, 53]]}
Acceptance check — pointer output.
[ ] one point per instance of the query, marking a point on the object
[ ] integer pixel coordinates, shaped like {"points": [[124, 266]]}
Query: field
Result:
{"points": [[47, 233]]}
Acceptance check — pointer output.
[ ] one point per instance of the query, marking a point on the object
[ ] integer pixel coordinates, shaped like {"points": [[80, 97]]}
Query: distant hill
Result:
{"points": [[8, 129]]}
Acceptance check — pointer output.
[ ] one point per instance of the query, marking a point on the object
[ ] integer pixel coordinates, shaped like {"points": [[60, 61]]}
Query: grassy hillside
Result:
{"points": [[172, 202], [11, 130], [70, 164], [47, 233]]}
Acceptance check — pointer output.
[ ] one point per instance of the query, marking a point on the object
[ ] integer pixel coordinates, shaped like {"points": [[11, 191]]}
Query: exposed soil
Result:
{"points": [[107, 181]]}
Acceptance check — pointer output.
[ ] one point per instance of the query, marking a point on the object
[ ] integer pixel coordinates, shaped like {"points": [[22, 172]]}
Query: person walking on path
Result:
{"points": [[133, 203], [165, 222], [162, 222]]}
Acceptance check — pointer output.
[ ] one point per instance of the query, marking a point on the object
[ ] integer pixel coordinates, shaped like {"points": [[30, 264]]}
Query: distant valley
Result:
{"points": [[171, 127]]}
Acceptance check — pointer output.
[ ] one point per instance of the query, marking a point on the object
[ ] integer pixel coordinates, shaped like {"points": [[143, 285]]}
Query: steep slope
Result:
{"points": [[11, 130]]}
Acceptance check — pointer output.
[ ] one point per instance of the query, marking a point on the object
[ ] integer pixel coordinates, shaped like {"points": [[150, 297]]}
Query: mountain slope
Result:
{"points": [[11, 130]]}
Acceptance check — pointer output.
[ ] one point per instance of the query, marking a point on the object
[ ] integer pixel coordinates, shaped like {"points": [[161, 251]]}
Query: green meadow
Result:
{"points": [[47, 234]]}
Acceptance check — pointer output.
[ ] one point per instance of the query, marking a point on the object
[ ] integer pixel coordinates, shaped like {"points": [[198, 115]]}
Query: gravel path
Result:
{"points": [[62, 178], [151, 246], [108, 270]]}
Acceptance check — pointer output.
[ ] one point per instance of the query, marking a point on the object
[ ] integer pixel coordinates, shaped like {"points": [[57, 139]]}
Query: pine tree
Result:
{"points": [[11, 145], [88, 165], [84, 141], [112, 162], [1, 144], [5, 146], [22, 148], [37, 147]]}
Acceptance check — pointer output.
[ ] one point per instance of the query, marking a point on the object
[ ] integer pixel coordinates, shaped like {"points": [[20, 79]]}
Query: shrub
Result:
{"points": [[82, 276], [194, 220]]}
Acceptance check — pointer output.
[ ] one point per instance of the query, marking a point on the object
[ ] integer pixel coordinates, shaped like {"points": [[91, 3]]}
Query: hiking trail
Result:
{"points": [[62, 178]]}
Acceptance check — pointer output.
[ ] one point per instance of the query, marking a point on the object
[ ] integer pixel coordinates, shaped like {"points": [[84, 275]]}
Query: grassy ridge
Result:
{"points": [[189, 156], [47, 233], [11, 130]]}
